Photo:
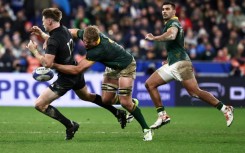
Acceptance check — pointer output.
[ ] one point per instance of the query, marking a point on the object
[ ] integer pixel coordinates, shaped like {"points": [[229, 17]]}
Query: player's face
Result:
{"points": [[167, 12], [88, 43], [46, 23]]}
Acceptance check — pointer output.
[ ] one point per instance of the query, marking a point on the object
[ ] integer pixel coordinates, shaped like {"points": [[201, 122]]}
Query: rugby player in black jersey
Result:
{"points": [[59, 49], [119, 74]]}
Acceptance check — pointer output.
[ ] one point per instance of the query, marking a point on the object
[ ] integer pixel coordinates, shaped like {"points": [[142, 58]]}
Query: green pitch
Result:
{"points": [[192, 130]]}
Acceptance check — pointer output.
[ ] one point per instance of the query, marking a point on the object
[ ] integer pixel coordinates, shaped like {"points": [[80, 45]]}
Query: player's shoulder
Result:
{"points": [[174, 23], [80, 33], [53, 39]]}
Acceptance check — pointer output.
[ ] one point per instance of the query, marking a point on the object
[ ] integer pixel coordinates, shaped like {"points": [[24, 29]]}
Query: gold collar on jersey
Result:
{"points": [[173, 18], [98, 41]]}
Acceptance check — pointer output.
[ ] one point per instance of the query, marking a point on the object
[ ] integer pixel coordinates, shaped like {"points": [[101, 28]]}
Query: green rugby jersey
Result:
{"points": [[108, 53], [175, 48]]}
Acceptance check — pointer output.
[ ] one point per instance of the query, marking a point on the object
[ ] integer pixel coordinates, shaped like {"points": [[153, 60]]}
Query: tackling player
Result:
{"points": [[59, 49], [119, 74]]}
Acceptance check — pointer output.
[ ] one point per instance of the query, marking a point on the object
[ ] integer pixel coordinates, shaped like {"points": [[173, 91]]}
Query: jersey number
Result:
{"points": [[70, 45]]}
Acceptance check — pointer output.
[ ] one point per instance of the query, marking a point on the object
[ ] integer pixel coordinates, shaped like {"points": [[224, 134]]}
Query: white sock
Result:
{"points": [[223, 109], [162, 113]]}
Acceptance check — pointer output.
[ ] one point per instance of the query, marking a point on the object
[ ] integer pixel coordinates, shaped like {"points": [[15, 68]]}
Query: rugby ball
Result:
{"points": [[42, 74]]}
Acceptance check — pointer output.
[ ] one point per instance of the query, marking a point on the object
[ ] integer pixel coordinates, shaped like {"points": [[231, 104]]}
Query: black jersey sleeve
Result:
{"points": [[52, 46]]}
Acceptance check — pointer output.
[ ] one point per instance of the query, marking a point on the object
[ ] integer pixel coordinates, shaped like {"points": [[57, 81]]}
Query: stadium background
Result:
{"points": [[214, 37]]}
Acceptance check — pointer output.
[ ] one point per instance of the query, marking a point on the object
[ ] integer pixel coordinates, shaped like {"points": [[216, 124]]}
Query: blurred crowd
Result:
{"points": [[214, 29]]}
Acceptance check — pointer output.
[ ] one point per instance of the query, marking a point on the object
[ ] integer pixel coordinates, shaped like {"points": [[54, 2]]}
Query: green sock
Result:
{"points": [[140, 118], [160, 109], [219, 105]]}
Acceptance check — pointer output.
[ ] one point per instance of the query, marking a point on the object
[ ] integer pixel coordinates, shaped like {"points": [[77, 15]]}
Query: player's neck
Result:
{"points": [[172, 18], [54, 26]]}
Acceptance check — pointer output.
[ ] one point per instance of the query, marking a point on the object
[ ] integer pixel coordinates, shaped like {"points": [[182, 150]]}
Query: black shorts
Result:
{"points": [[65, 83]]}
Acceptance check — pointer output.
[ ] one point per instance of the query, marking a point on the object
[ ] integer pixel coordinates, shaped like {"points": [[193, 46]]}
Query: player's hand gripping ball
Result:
{"points": [[42, 74]]}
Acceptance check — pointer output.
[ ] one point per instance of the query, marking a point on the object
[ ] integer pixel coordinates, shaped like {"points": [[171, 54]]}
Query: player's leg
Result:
{"points": [[109, 96], [96, 99], [125, 96], [109, 89], [158, 78], [109, 92], [184, 73], [42, 104], [192, 88]]}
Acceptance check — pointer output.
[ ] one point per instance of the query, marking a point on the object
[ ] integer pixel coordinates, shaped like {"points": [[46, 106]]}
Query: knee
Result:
{"points": [[126, 105], [106, 100], [39, 107], [87, 97], [148, 86], [193, 94]]}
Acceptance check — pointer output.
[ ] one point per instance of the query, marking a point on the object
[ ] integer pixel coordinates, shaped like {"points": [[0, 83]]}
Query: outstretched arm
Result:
{"points": [[170, 34], [73, 32], [72, 69]]}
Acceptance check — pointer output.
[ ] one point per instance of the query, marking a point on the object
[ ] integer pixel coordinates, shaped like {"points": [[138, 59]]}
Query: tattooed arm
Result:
{"points": [[170, 34]]}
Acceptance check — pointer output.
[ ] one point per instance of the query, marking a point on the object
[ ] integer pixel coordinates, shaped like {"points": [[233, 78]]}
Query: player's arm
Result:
{"points": [[73, 32], [37, 31], [74, 69], [46, 60], [170, 34]]}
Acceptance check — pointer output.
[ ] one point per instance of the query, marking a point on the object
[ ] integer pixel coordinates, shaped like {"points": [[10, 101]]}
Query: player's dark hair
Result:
{"points": [[53, 13], [91, 33], [169, 3]]}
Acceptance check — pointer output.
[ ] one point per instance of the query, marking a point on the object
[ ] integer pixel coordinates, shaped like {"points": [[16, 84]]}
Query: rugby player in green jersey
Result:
{"points": [[178, 67], [119, 74]]}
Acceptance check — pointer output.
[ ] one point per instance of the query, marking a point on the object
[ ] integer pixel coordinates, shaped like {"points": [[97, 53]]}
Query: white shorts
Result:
{"points": [[179, 71]]}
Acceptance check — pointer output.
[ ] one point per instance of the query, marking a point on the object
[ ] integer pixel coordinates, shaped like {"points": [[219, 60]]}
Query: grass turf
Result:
{"points": [[192, 130]]}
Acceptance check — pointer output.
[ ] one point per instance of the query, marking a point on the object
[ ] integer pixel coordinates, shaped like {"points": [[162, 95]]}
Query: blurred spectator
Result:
{"points": [[222, 55], [6, 61], [80, 18], [236, 17], [238, 62], [184, 20], [21, 64], [212, 28], [209, 53], [232, 43]]}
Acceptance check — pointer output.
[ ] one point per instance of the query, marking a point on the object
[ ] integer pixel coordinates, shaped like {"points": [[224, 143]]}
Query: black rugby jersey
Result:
{"points": [[60, 44]]}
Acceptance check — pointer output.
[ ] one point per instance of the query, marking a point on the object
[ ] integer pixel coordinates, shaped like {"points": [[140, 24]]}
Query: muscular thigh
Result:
{"points": [[84, 94], [155, 80], [125, 86], [65, 83], [182, 70], [46, 97], [125, 92], [190, 85]]}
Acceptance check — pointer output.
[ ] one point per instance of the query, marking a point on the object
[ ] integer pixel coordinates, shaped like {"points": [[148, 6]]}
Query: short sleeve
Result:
{"points": [[80, 34], [52, 46], [174, 24]]}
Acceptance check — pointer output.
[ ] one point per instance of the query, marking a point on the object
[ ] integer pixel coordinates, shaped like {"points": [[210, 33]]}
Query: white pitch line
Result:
{"points": [[39, 132]]}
